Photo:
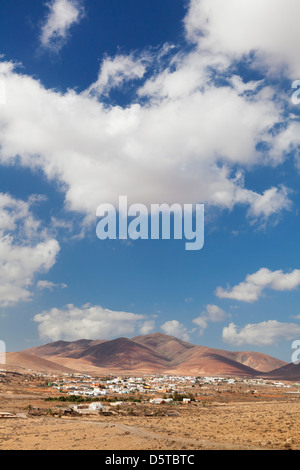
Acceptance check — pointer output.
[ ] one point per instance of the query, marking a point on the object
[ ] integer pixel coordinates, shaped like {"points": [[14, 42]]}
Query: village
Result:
{"points": [[83, 393], [85, 385]]}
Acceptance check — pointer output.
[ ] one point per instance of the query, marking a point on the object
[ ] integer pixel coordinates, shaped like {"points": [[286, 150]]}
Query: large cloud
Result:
{"points": [[25, 250], [189, 135], [236, 28], [90, 322], [180, 149]]}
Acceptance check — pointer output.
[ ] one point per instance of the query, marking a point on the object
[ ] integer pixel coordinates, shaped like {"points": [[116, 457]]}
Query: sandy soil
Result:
{"points": [[264, 425]]}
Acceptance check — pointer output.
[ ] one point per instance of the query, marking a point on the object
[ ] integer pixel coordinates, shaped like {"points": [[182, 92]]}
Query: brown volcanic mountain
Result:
{"points": [[287, 372], [122, 353], [257, 361], [167, 346], [23, 361], [157, 353], [64, 348], [186, 355]]}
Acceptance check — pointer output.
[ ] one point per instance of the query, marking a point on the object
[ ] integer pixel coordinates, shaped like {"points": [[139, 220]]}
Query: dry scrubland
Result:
{"points": [[269, 419]]}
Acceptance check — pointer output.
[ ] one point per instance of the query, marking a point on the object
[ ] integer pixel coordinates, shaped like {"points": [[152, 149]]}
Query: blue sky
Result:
{"points": [[164, 102]]}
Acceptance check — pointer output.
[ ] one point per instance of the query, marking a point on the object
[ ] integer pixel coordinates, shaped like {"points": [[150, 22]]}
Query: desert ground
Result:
{"points": [[268, 419]]}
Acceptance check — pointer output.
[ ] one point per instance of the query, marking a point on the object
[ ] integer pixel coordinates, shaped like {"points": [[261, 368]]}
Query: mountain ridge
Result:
{"points": [[153, 353]]}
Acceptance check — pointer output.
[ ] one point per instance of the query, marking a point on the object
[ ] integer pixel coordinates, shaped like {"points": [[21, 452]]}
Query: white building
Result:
{"points": [[96, 406]]}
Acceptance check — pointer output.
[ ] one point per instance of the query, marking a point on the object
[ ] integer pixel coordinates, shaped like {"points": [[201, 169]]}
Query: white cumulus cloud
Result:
{"points": [[265, 333], [175, 328], [26, 249], [50, 285], [98, 153], [252, 288], [89, 322], [116, 70], [268, 28], [62, 15], [213, 314], [184, 136]]}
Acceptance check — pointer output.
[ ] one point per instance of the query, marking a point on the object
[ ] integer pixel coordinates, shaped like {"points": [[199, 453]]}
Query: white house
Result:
{"points": [[96, 406]]}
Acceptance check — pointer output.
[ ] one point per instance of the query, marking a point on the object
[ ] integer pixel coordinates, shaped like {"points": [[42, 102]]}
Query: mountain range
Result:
{"points": [[155, 353]]}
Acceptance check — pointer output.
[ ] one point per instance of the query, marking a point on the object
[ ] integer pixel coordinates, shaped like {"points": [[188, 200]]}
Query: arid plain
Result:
{"points": [[220, 419]]}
